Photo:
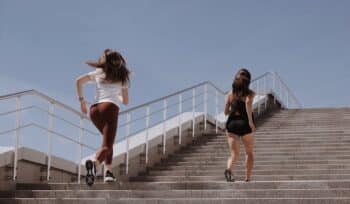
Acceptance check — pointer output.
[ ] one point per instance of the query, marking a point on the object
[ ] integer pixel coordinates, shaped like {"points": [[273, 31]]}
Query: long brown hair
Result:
{"points": [[114, 67], [241, 82]]}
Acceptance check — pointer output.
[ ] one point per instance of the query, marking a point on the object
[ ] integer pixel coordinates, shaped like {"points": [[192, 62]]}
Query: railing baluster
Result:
{"points": [[147, 130], [193, 110], [274, 87], [259, 94], [180, 118], [281, 92], [165, 106], [287, 93], [265, 93], [81, 134], [205, 106], [128, 120], [49, 142], [216, 111], [17, 135]]}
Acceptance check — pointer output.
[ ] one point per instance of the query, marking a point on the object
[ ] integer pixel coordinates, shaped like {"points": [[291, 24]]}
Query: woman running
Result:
{"points": [[111, 78], [240, 123]]}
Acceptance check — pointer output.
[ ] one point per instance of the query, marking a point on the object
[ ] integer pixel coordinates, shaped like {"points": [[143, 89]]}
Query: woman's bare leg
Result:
{"points": [[248, 141], [233, 143]]}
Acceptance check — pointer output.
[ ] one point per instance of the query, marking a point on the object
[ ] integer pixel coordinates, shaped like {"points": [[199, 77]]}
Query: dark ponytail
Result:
{"points": [[115, 67], [240, 85]]}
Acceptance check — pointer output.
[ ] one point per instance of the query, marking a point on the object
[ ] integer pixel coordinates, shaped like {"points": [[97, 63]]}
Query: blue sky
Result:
{"points": [[170, 45]]}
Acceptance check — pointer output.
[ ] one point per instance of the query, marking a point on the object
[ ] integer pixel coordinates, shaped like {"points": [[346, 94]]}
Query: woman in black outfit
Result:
{"points": [[240, 123]]}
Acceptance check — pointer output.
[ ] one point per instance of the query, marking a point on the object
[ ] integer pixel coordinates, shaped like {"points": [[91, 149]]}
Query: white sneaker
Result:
{"points": [[109, 177]]}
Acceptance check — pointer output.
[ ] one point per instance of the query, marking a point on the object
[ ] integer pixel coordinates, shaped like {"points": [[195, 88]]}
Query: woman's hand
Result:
{"points": [[252, 126], [83, 107]]}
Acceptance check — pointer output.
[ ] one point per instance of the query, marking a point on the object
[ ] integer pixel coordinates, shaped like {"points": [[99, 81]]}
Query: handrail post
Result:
{"points": [[81, 134], [265, 93], [128, 121], [274, 87], [205, 105], [180, 118], [165, 106], [287, 99], [17, 135], [147, 130], [281, 92], [193, 110], [258, 90], [49, 142], [216, 111]]}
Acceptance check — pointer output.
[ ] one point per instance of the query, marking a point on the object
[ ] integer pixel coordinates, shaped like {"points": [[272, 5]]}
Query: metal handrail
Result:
{"points": [[260, 89], [288, 89], [51, 114], [54, 132], [170, 95], [47, 98]]}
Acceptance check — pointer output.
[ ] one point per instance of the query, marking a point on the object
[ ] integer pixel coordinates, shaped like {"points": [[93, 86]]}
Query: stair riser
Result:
{"points": [[256, 167], [183, 201], [255, 172], [268, 193]]}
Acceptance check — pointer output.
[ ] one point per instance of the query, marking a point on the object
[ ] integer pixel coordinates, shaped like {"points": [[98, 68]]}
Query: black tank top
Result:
{"points": [[238, 109]]}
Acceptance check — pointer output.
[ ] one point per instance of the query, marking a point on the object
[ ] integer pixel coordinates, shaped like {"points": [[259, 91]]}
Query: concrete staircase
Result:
{"points": [[302, 156]]}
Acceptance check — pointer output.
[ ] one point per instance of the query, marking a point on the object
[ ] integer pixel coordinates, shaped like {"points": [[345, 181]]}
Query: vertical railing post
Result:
{"points": [[274, 87], [193, 110], [287, 99], [49, 141], [259, 94], [205, 105], [17, 135], [281, 92], [265, 93], [180, 118], [81, 134], [147, 131], [128, 121], [165, 106], [216, 111]]}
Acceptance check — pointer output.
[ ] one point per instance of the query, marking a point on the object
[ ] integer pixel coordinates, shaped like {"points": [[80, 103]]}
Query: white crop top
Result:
{"points": [[105, 92]]}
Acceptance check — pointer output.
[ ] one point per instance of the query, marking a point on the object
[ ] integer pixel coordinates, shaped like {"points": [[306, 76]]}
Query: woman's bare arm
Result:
{"points": [[93, 64], [79, 84], [249, 107], [125, 95], [227, 104]]}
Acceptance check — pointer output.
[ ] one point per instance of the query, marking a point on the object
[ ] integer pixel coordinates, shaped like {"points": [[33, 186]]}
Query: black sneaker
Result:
{"points": [[109, 177], [91, 172], [229, 176]]}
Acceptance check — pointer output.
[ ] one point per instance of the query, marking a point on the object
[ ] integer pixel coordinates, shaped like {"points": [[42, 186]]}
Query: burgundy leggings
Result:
{"points": [[105, 118]]}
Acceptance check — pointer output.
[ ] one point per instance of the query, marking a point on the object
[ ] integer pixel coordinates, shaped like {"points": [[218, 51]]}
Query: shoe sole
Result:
{"points": [[90, 178], [110, 180]]}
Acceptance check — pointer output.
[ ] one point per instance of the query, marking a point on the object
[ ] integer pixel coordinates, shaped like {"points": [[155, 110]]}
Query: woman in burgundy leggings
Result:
{"points": [[111, 77]]}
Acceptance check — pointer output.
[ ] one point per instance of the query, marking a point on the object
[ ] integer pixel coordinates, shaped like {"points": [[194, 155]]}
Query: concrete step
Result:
{"points": [[261, 157], [287, 138], [281, 142], [241, 177], [225, 155], [54, 201], [240, 166], [238, 201], [260, 162], [224, 150], [194, 185], [343, 200], [212, 193], [263, 151], [278, 145], [219, 171]]}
